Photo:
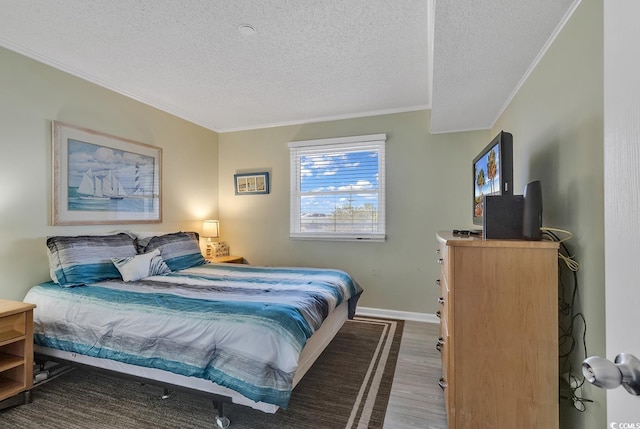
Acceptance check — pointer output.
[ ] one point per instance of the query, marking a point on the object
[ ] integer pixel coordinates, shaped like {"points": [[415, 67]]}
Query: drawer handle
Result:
{"points": [[441, 300], [442, 384], [440, 344], [438, 314], [438, 282]]}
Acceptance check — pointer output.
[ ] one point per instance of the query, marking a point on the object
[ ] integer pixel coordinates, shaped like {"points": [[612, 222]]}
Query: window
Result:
{"points": [[337, 188]]}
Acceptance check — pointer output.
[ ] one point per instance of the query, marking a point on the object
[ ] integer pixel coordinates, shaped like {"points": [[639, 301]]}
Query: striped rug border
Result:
{"points": [[365, 402]]}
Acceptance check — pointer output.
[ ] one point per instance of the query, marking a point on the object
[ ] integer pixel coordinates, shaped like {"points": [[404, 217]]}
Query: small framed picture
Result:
{"points": [[251, 183]]}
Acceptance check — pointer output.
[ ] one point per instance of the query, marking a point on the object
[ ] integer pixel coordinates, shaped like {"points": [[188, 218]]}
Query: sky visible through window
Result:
{"points": [[337, 180]]}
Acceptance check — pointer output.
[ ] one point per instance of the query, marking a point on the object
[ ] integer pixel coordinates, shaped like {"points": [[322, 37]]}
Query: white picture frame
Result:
{"points": [[99, 178]]}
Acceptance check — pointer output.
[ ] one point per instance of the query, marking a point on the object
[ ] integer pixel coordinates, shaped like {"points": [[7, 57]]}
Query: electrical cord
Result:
{"points": [[554, 237], [571, 263], [567, 341]]}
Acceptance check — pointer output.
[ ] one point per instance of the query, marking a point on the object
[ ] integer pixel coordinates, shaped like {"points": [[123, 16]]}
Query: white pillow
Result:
{"points": [[138, 267]]}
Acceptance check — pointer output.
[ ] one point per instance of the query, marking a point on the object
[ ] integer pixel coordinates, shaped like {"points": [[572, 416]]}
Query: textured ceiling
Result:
{"points": [[307, 61], [483, 49]]}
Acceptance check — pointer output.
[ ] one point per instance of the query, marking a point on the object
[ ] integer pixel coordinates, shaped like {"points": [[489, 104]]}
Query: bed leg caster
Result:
{"points": [[165, 394], [221, 421]]}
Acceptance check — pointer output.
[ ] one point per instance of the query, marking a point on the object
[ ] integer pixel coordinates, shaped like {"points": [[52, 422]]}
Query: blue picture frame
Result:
{"points": [[251, 183]]}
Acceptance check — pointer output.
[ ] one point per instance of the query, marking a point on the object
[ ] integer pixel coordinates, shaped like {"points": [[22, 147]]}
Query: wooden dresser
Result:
{"points": [[499, 332], [16, 351]]}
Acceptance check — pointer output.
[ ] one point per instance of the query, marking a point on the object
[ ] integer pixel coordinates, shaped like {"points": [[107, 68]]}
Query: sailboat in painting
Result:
{"points": [[105, 187]]}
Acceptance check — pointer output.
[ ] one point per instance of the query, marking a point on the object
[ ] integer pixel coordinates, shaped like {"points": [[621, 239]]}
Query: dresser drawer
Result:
{"points": [[442, 258]]}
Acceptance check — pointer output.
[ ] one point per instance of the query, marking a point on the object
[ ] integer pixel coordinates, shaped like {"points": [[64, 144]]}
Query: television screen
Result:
{"points": [[492, 172]]}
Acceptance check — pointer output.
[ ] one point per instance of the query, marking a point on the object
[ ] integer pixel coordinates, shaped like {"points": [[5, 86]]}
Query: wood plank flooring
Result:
{"points": [[416, 399]]}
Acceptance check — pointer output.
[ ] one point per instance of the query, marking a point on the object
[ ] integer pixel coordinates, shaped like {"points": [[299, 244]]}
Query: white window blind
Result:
{"points": [[337, 188]]}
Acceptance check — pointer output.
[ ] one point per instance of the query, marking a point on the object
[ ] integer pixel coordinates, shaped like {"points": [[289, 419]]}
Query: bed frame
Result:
{"points": [[175, 382]]}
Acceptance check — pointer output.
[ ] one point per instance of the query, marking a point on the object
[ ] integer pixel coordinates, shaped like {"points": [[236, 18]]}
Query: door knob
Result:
{"points": [[625, 371]]}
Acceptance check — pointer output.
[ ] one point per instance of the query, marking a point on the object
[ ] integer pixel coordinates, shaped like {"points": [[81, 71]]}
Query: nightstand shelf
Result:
{"points": [[16, 351], [10, 387], [8, 361], [231, 259]]}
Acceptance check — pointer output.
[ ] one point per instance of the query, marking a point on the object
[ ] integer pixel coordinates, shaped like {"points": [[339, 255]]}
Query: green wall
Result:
{"points": [[557, 122], [31, 96], [428, 188]]}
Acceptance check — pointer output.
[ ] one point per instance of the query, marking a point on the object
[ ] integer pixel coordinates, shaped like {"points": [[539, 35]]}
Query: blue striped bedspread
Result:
{"points": [[240, 326]]}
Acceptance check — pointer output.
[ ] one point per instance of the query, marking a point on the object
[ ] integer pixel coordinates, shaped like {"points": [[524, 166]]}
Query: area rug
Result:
{"points": [[347, 387]]}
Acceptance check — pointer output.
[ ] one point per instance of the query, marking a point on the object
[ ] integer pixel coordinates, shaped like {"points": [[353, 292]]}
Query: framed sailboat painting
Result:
{"points": [[103, 179]]}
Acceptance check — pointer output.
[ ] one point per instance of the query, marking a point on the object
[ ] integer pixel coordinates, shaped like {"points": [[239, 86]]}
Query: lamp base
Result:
{"points": [[220, 248]]}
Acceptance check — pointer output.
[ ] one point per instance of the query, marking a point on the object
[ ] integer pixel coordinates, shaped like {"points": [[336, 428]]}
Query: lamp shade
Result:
{"points": [[210, 229]]}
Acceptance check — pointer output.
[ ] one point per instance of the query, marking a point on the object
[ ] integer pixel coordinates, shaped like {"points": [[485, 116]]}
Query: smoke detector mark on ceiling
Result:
{"points": [[246, 29]]}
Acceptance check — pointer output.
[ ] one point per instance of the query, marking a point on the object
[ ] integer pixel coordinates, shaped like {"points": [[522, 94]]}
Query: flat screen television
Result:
{"points": [[492, 172]]}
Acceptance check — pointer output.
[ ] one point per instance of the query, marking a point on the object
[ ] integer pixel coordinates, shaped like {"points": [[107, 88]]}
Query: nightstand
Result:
{"points": [[16, 352], [231, 259]]}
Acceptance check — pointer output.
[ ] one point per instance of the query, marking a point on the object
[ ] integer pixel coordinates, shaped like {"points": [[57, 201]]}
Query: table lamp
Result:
{"points": [[210, 229]]}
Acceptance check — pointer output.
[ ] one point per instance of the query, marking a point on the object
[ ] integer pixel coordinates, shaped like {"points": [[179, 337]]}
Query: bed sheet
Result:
{"points": [[240, 326]]}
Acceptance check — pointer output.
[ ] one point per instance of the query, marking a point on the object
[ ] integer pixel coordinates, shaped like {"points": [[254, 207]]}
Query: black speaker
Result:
{"points": [[532, 216], [502, 216]]}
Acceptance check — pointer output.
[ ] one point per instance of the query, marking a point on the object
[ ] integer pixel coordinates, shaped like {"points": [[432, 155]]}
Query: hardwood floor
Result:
{"points": [[416, 399]]}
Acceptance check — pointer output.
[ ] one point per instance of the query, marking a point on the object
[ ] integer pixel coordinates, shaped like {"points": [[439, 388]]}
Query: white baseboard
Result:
{"points": [[394, 314]]}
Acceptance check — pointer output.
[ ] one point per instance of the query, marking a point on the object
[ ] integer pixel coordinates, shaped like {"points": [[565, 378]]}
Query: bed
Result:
{"points": [[154, 309]]}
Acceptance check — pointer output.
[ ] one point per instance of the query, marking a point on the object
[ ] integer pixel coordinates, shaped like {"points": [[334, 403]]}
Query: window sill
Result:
{"points": [[377, 238]]}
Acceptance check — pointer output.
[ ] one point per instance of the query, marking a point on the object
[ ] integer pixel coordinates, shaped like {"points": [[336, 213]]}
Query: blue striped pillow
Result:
{"points": [[180, 250], [86, 259]]}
